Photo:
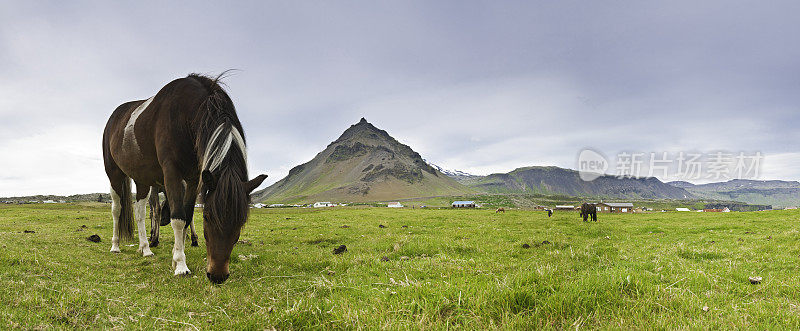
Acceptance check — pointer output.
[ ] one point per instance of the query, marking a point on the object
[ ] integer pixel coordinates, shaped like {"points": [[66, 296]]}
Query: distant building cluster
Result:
{"points": [[463, 204], [32, 201], [323, 204], [615, 207], [602, 207]]}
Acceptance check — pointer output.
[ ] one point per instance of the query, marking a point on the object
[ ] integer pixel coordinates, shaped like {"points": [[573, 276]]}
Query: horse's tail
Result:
{"points": [[125, 219]]}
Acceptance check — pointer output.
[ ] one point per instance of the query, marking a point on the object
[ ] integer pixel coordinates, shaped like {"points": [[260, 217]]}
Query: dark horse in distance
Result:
{"points": [[184, 140], [589, 209]]}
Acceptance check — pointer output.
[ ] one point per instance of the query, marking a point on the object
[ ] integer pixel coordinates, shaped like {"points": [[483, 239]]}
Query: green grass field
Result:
{"points": [[427, 269]]}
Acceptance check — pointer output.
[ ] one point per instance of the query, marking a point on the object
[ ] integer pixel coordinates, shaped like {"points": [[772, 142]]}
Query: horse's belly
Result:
{"points": [[142, 170], [136, 158]]}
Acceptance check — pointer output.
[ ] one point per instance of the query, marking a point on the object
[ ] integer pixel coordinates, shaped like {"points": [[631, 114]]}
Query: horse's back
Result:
{"points": [[136, 129]]}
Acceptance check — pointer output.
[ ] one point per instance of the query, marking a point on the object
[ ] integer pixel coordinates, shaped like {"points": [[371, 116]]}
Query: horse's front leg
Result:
{"points": [[175, 197], [190, 199]]}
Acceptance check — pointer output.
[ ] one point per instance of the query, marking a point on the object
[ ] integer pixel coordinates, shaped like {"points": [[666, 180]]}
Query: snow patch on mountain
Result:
{"points": [[449, 172]]}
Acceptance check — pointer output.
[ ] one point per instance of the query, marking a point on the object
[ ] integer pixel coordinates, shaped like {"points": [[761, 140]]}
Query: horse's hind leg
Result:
{"points": [[120, 206], [116, 210], [194, 234], [155, 216], [140, 213]]}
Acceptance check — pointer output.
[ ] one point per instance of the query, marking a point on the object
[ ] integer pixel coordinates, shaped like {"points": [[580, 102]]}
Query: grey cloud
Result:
{"points": [[482, 86]]}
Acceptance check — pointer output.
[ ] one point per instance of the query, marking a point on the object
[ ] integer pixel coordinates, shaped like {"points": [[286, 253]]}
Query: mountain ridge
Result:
{"points": [[779, 193], [556, 180]]}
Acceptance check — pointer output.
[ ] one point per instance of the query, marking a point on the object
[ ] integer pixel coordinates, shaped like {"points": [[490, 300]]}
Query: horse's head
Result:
{"points": [[227, 200]]}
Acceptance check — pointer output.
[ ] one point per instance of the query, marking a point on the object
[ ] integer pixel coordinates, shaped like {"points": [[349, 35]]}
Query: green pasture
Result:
{"points": [[424, 269]]}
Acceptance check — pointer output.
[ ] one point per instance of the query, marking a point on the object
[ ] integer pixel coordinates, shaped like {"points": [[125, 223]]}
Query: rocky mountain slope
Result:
{"points": [[364, 164]]}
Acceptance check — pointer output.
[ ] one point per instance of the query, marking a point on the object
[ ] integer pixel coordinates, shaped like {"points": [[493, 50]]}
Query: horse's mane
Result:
{"points": [[217, 131], [215, 110]]}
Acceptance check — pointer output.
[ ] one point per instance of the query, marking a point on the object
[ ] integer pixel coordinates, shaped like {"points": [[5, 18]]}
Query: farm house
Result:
{"points": [[565, 208], [463, 204], [615, 207], [394, 205]]}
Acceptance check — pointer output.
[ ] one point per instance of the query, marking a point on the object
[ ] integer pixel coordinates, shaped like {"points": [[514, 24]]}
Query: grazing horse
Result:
{"points": [[500, 210], [589, 209], [159, 216], [185, 138]]}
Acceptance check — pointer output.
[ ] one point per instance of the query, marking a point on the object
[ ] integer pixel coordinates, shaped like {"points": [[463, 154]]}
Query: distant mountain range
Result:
{"points": [[367, 164], [777, 193], [555, 180]]}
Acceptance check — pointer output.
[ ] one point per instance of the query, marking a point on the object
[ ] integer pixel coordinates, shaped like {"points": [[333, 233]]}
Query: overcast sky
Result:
{"points": [[480, 87]]}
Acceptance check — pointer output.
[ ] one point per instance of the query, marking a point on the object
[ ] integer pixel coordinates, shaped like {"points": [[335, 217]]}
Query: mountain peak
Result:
{"points": [[364, 164], [365, 133]]}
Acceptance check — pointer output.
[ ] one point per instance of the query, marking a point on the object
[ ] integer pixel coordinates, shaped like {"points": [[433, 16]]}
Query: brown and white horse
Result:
{"points": [[187, 138]]}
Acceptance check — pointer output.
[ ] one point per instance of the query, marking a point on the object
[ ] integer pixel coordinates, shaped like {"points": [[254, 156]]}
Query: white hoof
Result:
{"points": [[146, 252], [182, 271], [114, 249], [144, 249]]}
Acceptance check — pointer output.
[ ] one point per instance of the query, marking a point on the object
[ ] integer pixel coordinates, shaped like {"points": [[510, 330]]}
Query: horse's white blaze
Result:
{"points": [[214, 154], [129, 137], [116, 209], [178, 257], [140, 211]]}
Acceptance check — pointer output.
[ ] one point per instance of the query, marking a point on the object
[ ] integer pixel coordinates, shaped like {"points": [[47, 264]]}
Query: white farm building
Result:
{"points": [[463, 204]]}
